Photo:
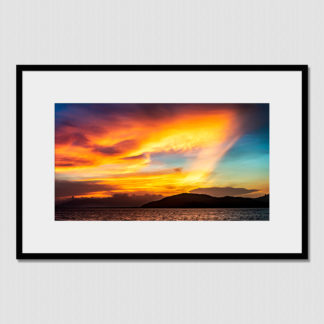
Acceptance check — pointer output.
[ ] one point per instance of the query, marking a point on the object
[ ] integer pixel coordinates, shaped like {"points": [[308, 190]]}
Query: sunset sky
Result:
{"points": [[104, 150]]}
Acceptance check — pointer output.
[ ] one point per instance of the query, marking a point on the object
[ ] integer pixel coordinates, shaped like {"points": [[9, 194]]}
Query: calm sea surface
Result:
{"points": [[161, 214]]}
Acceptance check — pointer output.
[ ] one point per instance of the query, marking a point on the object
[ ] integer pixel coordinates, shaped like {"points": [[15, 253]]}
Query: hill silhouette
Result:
{"points": [[189, 200]]}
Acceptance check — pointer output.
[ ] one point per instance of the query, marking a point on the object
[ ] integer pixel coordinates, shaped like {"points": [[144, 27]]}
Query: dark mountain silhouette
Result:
{"points": [[189, 200], [185, 200]]}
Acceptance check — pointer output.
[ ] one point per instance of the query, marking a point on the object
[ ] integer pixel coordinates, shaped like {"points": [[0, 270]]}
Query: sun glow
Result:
{"points": [[118, 149]]}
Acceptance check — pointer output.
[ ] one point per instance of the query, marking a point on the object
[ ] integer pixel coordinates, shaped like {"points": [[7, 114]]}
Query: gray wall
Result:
{"points": [[159, 32]]}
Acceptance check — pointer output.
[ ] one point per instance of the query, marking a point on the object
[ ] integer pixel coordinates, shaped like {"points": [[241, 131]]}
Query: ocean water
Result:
{"points": [[161, 214]]}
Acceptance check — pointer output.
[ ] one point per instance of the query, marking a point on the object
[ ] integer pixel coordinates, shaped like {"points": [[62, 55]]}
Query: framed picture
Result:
{"points": [[162, 162]]}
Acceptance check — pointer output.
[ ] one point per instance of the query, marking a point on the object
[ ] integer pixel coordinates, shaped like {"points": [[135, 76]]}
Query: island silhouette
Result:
{"points": [[184, 200], [189, 200]]}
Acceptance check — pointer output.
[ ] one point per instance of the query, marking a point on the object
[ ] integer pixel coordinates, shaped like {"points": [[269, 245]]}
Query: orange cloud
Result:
{"points": [[118, 151]]}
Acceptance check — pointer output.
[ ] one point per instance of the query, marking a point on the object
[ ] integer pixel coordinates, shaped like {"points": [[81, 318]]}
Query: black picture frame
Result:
{"points": [[303, 255]]}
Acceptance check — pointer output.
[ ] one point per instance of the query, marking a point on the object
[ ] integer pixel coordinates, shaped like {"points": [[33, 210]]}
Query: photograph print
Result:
{"points": [[162, 162]]}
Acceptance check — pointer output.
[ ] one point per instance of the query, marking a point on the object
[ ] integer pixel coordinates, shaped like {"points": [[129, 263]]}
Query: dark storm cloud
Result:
{"points": [[65, 188], [120, 147], [223, 191], [69, 162], [77, 139], [125, 200], [253, 116], [136, 157]]}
